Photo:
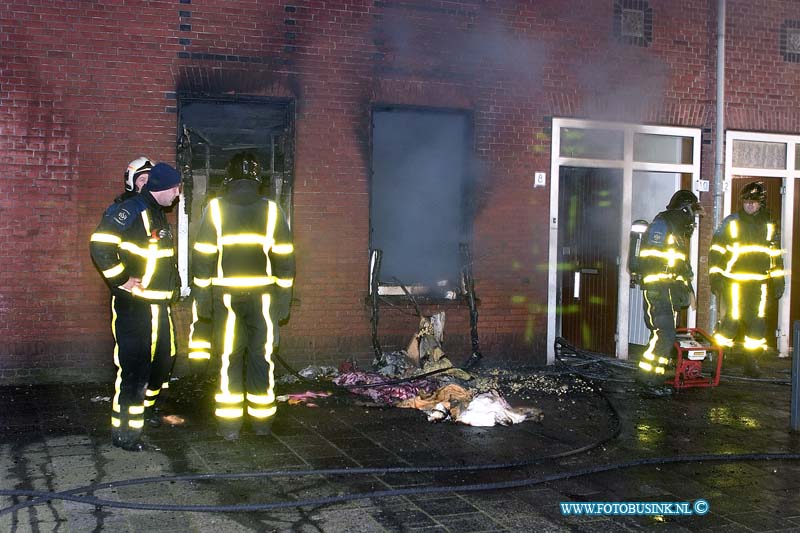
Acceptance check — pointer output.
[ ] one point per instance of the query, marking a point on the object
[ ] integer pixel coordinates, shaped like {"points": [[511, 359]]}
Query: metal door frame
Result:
{"points": [[788, 175], [628, 166]]}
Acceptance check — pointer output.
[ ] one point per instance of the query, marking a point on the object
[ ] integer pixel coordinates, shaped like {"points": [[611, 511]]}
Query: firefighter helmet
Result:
{"points": [[686, 201], [137, 167], [754, 192], [243, 166]]}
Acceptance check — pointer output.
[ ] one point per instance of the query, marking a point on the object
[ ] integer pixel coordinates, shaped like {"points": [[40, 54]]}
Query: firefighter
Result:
{"points": [[133, 247], [243, 263], [136, 175], [745, 265], [666, 283]]}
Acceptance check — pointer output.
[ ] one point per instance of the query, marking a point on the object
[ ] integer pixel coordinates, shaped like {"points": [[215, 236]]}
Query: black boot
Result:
{"points": [[751, 368], [229, 430], [127, 439], [152, 416], [262, 428]]}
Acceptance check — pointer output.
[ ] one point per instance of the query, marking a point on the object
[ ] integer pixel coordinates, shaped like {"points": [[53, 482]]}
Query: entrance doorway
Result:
{"points": [[589, 256], [604, 173]]}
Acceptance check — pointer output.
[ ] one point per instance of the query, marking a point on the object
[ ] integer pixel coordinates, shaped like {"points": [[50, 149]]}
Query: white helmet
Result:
{"points": [[138, 166]]}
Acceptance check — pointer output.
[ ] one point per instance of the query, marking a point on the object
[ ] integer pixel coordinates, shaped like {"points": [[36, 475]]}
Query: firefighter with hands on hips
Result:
{"points": [[133, 247], [666, 283], [745, 265], [243, 267]]}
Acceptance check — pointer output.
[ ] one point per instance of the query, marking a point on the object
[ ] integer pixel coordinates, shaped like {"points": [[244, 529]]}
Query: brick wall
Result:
{"points": [[86, 86]]}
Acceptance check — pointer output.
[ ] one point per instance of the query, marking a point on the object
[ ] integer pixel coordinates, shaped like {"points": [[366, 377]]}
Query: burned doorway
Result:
{"points": [[210, 132], [589, 252], [419, 197]]}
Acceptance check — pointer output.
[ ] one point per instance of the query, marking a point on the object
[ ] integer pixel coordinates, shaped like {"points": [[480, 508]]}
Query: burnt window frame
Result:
{"points": [[420, 292]]}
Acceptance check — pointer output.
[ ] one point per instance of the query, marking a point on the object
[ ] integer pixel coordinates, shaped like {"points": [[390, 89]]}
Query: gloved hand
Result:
{"points": [[681, 297], [777, 286], [200, 337], [283, 305], [717, 284]]}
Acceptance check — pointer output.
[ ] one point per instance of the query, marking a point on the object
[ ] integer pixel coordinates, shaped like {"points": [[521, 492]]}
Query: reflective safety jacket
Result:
{"points": [[747, 248], [664, 256], [243, 245], [134, 239]]}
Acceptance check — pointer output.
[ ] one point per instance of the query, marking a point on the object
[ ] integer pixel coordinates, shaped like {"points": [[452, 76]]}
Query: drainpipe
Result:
{"points": [[720, 140]]}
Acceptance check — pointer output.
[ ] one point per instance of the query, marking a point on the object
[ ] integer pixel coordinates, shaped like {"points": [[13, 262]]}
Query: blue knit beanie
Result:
{"points": [[162, 177]]}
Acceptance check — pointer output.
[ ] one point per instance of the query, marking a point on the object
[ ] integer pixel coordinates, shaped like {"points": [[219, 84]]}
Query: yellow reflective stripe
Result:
{"points": [[229, 412], [216, 220], [150, 265], [284, 283], [151, 251], [266, 300], [114, 271], [202, 282], [229, 397], [118, 379], [645, 366], [136, 424], [670, 255], [243, 282], [734, 229], [205, 248], [777, 273], [199, 355], [770, 231], [755, 344], [197, 344], [659, 370], [149, 403], [227, 347], [136, 409], [663, 361], [740, 277], [657, 277], [261, 399], [151, 295], [762, 303], [272, 221], [261, 413], [150, 393], [718, 248], [154, 313], [106, 237], [722, 340], [245, 238], [115, 422], [282, 249], [735, 314], [146, 221]]}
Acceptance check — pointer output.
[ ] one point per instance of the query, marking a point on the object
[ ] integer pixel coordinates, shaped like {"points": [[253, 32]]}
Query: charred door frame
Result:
{"points": [[183, 151], [790, 175], [628, 166]]}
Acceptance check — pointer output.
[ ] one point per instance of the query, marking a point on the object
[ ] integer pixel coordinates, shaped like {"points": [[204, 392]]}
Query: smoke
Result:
{"points": [[418, 186]]}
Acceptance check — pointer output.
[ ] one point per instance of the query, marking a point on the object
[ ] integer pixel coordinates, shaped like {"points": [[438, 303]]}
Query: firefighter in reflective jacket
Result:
{"points": [[243, 264], [745, 261], [666, 281], [133, 247]]}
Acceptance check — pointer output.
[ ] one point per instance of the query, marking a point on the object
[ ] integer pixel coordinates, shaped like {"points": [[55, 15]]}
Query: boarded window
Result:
{"points": [[419, 191]]}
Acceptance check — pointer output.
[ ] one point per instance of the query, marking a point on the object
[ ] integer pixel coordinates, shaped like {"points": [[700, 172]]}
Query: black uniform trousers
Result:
{"points": [[744, 306], [245, 336], [144, 354], [659, 315]]}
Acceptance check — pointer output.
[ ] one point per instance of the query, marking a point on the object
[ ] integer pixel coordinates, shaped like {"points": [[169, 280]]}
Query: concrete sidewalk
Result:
{"points": [[56, 438]]}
